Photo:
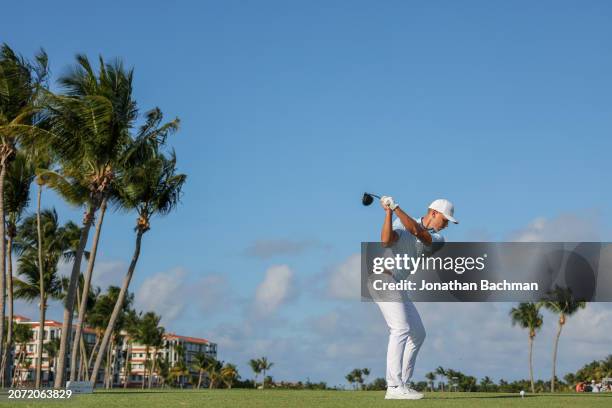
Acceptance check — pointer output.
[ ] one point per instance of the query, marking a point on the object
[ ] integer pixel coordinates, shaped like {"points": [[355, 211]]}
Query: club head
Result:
{"points": [[367, 199]]}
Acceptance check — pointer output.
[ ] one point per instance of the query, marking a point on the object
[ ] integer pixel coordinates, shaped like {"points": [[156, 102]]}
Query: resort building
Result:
{"points": [[174, 349]]}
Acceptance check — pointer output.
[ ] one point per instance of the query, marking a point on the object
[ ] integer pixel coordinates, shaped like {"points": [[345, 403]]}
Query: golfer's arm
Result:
{"points": [[387, 235], [413, 227]]}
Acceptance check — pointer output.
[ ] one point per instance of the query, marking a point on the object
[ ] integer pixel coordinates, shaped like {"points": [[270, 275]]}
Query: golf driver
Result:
{"points": [[368, 198]]}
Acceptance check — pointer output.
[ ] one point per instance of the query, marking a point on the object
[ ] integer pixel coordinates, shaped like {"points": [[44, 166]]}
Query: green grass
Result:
{"points": [[295, 399]]}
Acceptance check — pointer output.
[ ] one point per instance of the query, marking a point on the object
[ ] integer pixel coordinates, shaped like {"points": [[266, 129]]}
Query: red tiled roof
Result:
{"points": [[20, 317], [55, 323], [171, 336]]}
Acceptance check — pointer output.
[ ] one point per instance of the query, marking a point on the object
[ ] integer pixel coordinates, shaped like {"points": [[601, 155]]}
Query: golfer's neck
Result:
{"points": [[426, 221]]}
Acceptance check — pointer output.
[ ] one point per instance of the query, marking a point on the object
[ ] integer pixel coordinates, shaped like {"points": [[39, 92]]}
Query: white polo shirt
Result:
{"points": [[411, 245], [436, 237]]}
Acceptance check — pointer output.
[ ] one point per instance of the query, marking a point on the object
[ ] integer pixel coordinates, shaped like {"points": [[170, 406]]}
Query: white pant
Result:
{"points": [[406, 335]]}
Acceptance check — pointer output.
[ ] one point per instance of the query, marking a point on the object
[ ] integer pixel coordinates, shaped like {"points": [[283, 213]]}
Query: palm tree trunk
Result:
{"points": [[3, 164], [115, 360], [6, 357], [263, 382], [93, 351], [69, 305], [200, 379], [153, 366], [126, 374], [78, 307], [144, 376], [41, 288], [531, 364], [109, 365], [120, 300], [554, 363], [41, 335], [105, 376], [17, 365], [86, 284], [83, 360]]}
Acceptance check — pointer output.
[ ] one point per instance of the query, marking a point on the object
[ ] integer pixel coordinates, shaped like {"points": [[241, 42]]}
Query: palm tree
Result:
{"points": [[431, 376], [21, 84], [265, 366], [16, 198], [213, 370], [350, 377], [200, 363], [357, 376], [256, 367], [131, 324], [56, 242], [101, 160], [229, 374], [150, 334], [164, 370], [23, 335], [486, 381], [365, 372], [91, 127], [562, 302], [99, 316], [442, 373], [51, 348], [151, 188], [180, 368], [527, 315], [80, 128]]}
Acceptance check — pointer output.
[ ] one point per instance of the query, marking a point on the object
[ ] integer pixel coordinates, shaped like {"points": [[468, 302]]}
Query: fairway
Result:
{"points": [[282, 398]]}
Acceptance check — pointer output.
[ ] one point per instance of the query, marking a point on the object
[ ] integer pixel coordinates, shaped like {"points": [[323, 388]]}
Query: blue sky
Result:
{"points": [[290, 110]]}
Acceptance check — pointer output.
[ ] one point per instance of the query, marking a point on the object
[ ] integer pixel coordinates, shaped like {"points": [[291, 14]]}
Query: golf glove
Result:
{"points": [[388, 201]]}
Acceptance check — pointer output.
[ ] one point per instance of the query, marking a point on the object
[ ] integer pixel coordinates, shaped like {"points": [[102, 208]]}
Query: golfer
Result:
{"points": [[406, 332]]}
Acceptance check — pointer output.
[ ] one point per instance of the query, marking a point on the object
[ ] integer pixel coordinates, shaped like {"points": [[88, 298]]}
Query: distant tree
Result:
{"points": [[163, 367], [213, 370], [485, 382], [365, 372], [31, 284], [562, 302], [23, 335], [200, 362], [527, 316], [442, 373], [379, 384], [229, 374], [265, 366], [431, 377], [179, 369], [255, 365], [350, 377]]}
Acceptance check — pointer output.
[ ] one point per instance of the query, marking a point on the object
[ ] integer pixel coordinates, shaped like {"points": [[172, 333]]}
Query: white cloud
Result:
{"points": [[107, 273], [163, 293], [345, 279], [274, 290], [563, 228]]}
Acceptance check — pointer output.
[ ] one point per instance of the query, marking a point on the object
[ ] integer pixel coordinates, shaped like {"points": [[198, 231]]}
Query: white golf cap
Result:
{"points": [[444, 207]]}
